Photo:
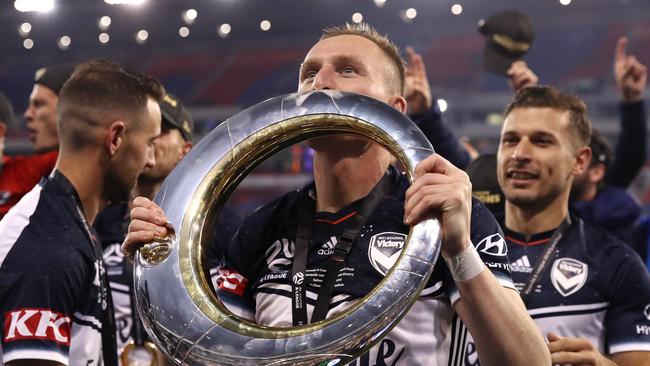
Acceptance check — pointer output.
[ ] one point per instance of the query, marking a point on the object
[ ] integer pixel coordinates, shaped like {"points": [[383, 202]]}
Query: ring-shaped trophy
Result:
{"points": [[182, 314]]}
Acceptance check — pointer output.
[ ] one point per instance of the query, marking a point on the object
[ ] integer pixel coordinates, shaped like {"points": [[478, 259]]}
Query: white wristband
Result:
{"points": [[465, 265]]}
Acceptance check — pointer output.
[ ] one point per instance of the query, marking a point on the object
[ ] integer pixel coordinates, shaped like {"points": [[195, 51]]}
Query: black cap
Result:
{"points": [[482, 173], [54, 76], [174, 114], [601, 151], [509, 36], [6, 110]]}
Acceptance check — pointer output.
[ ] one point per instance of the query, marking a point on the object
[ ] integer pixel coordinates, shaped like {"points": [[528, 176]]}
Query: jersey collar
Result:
{"points": [[520, 239]]}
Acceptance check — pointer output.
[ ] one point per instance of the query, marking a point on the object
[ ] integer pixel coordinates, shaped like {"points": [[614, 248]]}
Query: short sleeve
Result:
{"points": [[627, 322], [41, 283]]}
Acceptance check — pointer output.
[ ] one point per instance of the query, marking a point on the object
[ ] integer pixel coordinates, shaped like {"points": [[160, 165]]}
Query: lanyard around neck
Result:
{"points": [[542, 264], [335, 262], [109, 339]]}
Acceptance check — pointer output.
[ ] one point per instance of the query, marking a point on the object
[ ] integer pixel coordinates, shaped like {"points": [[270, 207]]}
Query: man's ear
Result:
{"points": [[398, 102], [115, 137], [187, 146], [597, 173], [3, 129], [583, 159]]}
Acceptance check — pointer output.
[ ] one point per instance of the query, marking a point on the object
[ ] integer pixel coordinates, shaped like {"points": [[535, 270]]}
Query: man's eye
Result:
{"points": [[543, 142], [309, 75], [347, 70]]}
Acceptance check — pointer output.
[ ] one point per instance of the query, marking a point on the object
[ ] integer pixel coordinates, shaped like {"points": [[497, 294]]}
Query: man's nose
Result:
{"points": [[151, 158], [29, 113], [521, 153], [324, 79]]}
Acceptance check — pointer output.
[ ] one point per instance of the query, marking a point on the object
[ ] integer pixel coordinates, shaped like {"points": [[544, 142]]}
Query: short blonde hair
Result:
{"points": [[390, 49]]}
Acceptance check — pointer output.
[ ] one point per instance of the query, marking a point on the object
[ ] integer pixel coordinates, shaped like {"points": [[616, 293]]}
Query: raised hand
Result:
{"points": [[521, 76], [416, 87], [630, 74]]}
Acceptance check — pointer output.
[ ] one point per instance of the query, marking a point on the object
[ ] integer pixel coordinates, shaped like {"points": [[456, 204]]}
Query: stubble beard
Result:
{"points": [[117, 188]]}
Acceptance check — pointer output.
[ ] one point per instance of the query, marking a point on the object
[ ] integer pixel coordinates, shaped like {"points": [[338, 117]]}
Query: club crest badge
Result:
{"points": [[384, 249], [568, 275]]}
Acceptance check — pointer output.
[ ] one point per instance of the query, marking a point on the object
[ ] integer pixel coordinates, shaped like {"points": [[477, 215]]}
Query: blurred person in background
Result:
{"points": [[19, 174], [599, 195]]}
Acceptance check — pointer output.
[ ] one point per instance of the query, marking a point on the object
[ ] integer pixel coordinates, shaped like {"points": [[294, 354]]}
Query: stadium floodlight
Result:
{"points": [[184, 32], [442, 105], [189, 16], [42, 6], [104, 38], [24, 29], [408, 15], [411, 13], [125, 2], [104, 22], [224, 30], [142, 36], [64, 42], [28, 43]]}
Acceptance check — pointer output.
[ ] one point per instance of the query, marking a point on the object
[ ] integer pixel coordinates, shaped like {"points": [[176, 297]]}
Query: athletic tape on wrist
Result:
{"points": [[465, 265]]}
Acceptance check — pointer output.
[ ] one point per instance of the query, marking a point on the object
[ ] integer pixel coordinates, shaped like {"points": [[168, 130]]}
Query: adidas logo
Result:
{"points": [[522, 265], [328, 247]]}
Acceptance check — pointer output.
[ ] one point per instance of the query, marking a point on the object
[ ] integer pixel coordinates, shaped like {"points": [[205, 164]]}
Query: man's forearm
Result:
{"points": [[502, 330], [630, 150]]}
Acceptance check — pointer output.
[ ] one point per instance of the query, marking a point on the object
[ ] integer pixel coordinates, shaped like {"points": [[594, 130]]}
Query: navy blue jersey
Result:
{"points": [[50, 281], [595, 287], [260, 257], [112, 225]]}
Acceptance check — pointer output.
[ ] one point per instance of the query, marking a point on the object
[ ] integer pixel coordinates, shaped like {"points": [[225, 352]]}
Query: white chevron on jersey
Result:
{"points": [[551, 310], [16, 220]]}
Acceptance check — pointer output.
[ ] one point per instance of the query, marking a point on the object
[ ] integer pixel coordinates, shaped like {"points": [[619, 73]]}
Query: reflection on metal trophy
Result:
{"points": [[139, 355], [179, 310]]}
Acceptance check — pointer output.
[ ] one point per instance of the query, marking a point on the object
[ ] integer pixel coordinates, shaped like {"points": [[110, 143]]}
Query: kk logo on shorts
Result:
{"points": [[384, 249], [568, 275]]}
